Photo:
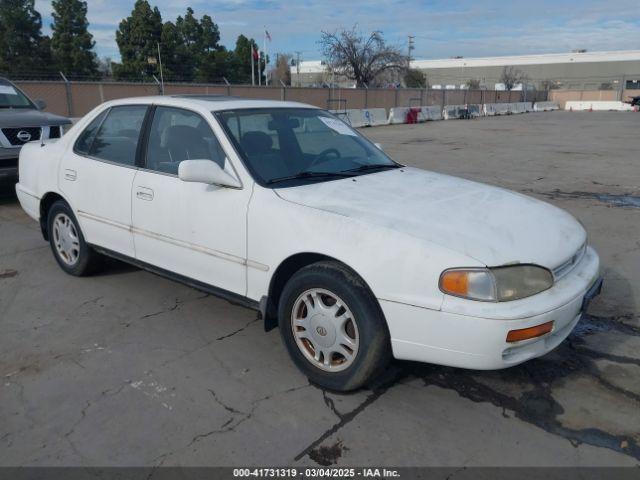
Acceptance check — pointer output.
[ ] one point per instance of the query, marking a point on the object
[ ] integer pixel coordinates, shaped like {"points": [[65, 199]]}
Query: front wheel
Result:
{"points": [[67, 242], [332, 327]]}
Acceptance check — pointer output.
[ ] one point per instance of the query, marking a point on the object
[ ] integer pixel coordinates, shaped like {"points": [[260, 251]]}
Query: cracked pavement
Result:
{"points": [[126, 368]]}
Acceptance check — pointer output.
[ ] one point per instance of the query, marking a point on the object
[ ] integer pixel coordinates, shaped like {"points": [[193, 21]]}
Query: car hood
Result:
{"points": [[18, 117], [492, 225]]}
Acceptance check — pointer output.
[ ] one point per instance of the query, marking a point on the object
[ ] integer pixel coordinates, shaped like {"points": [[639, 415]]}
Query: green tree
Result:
{"points": [[210, 35], [242, 60], [137, 37], [189, 45], [71, 43], [24, 51], [215, 60], [199, 47], [174, 58], [215, 66]]}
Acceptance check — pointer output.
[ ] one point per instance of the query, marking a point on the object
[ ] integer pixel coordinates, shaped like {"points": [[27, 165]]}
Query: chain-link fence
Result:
{"points": [[75, 99]]}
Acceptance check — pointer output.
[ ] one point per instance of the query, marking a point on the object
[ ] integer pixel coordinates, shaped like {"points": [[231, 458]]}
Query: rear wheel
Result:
{"points": [[67, 242], [332, 327]]}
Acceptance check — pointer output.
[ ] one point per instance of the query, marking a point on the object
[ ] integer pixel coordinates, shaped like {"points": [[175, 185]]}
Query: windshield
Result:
{"points": [[11, 97], [292, 146]]}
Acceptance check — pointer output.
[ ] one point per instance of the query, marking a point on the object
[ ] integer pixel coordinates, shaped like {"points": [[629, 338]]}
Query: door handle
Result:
{"points": [[70, 175], [144, 193]]}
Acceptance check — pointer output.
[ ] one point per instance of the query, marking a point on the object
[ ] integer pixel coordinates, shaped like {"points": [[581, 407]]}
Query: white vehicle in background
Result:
{"points": [[283, 207]]}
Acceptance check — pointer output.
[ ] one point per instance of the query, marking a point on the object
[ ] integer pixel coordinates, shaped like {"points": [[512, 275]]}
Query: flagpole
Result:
{"points": [[259, 68], [253, 75], [264, 42]]}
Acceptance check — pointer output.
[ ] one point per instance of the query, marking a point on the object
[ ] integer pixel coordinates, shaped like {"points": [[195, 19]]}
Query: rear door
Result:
{"points": [[97, 176]]}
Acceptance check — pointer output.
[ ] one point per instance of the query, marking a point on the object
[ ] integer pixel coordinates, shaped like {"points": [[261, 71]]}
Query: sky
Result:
{"points": [[442, 29]]}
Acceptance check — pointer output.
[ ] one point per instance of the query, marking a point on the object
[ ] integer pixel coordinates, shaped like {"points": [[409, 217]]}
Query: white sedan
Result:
{"points": [[284, 208]]}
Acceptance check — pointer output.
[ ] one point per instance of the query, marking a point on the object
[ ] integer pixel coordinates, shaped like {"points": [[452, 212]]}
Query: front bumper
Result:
{"points": [[8, 171], [8, 165], [461, 339]]}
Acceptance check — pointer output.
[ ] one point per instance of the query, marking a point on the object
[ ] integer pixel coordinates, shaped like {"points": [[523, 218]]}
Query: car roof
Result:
{"points": [[209, 102]]}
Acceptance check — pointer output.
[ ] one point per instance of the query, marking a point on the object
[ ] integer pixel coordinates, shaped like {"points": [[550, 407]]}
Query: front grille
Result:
{"points": [[54, 132], [566, 266], [13, 135]]}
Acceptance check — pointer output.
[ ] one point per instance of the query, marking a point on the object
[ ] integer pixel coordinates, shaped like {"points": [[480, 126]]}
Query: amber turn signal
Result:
{"points": [[528, 333], [455, 282]]}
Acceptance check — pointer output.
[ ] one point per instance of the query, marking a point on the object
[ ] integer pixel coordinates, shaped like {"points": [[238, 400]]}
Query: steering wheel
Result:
{"points": [[323, 156]]}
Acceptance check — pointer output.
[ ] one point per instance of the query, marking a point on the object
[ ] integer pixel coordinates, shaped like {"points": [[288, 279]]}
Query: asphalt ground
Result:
{"points": [[126, 368]]}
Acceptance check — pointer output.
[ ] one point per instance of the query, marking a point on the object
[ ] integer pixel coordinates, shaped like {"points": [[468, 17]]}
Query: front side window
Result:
{"points": [[177, 135], [116, 139], [290, 146]]}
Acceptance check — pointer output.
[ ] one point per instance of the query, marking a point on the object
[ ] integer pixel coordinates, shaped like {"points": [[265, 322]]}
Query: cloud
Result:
{"points": [[442, 28]]}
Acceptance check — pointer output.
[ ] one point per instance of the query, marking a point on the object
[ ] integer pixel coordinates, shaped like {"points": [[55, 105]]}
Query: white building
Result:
{"points": [[577, 70]]}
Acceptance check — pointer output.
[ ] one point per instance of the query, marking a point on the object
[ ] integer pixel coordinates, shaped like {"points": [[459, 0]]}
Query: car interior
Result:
{"points": [[176, 136], [117, 138]]}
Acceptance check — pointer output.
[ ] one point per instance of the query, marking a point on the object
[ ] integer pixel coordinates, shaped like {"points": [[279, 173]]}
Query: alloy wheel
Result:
{"points": [[66, 239], [325, 330]]}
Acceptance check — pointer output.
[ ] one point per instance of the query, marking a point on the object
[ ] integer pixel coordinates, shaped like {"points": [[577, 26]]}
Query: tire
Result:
{"points": [[70, 250], [342, 310]]}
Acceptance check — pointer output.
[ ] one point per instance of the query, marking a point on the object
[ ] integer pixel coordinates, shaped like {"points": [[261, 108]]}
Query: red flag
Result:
{"points": [[255, 54]]}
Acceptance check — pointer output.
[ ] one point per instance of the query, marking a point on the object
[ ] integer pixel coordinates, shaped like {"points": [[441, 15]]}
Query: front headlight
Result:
{"points": [[499, 284]]}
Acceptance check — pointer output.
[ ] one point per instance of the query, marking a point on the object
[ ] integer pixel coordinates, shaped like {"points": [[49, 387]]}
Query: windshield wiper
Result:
{"points": [[371, 167], [309, 174]]}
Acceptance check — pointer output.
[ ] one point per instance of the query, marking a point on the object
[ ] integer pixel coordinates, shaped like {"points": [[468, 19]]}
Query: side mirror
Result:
{"points": [[379, 146], [205, 171], [40, 104]]}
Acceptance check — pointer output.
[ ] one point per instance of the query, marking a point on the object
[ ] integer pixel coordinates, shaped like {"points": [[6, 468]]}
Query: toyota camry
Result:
{"points": [[285, 208]]}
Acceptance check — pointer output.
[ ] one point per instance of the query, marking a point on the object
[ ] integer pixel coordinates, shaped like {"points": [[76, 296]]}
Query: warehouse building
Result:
{"points": [[315, 73], [579, 70]]}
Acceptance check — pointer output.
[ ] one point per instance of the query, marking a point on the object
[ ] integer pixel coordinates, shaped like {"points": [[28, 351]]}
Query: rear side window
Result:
{"points": [[117, 137], [83, 144]]}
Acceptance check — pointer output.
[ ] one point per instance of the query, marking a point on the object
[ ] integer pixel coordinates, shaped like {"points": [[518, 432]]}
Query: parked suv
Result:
{"points": [[22, 121]]}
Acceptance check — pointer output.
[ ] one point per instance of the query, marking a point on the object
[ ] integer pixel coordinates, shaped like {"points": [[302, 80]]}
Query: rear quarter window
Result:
{"points": [[83, 144]]}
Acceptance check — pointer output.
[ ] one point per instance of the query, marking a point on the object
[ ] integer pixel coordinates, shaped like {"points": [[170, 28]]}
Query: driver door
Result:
{"points": [[194, 230]]}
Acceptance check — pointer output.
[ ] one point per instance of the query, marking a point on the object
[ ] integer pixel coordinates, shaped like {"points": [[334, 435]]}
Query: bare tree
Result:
{"points": [[511, 77], [349, 54], [282, 70], [473, 84], [549, 85], [414, 78]]}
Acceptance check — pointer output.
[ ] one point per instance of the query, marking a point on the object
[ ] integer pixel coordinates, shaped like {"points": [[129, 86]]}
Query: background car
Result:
{"points": [[22, 120], [634, 101]]}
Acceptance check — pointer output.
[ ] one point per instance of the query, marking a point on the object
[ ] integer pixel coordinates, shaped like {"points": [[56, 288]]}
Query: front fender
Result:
{"points": [[397, 267]]}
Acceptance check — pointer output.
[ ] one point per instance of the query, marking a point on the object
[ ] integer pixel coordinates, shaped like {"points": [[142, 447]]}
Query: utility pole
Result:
{"points": [[411, 48], [298, 53]]}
